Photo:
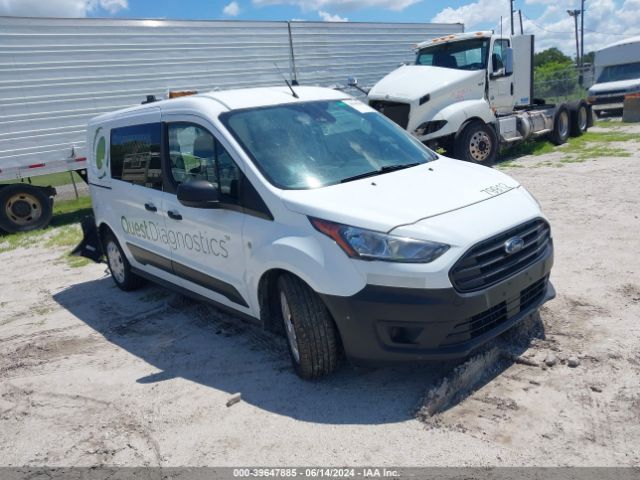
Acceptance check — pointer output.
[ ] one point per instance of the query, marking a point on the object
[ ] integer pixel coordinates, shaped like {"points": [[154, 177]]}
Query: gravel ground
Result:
{"points": [[91, 375]]}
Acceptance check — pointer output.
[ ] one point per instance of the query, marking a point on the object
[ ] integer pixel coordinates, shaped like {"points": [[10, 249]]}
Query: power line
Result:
{"points": [[571, 33]]}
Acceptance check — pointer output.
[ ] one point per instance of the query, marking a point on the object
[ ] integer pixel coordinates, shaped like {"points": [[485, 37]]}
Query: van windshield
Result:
{"points": [[614, 73], [461, 55], [315, 144]]}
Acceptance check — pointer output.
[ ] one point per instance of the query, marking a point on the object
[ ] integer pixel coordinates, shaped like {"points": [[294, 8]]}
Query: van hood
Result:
{"points": [[386, 201], [412, 82]]}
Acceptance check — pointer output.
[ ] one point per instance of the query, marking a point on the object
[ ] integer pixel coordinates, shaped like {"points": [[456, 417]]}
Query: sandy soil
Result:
{"points": [[91, 375]]}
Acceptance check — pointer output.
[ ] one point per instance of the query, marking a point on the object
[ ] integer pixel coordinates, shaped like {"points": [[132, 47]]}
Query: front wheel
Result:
{"points": [[477, 142], [310, 330], [119, 266]]}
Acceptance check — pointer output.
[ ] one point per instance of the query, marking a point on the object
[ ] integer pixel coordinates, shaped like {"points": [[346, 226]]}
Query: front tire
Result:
{"points": [[310, 330], [119, 266], [477, 143]]}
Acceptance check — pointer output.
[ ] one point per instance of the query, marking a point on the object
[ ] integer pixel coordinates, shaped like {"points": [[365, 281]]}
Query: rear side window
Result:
{"points": [[135, 155]]}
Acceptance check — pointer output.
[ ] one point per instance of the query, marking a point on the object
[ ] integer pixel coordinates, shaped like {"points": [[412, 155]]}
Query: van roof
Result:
{"points": [[216, 102]]}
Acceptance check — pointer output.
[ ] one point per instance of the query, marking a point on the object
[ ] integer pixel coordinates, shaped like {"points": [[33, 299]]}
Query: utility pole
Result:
{"points": [[582, 34], [520, 15], [511, 10], [574, 14]]}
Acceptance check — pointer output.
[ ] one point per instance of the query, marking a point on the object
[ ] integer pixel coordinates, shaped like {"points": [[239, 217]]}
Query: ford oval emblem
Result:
{"points": [[513, 245]]}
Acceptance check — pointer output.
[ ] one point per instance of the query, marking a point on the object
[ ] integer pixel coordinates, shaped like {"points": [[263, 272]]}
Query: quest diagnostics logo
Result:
{"points": [[100, 153], [198, 242]]}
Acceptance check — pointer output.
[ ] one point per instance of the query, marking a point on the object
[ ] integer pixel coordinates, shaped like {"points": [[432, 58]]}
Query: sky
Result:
{"points": [[606, 21]]}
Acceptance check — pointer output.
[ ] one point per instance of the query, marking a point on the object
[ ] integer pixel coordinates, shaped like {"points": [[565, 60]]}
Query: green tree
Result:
{"points": [[550, 55]]}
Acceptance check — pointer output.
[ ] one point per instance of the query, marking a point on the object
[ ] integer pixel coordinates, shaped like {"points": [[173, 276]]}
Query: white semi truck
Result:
{"points": [[471, 93]]}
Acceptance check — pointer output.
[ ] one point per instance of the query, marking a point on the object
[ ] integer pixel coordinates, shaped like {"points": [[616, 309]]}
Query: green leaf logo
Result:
{"points": [[100, 153]]}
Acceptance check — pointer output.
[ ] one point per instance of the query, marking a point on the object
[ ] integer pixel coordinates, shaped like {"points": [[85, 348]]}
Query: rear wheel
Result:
{"points": [[561, 123], [119, 266], [579, 119], [310, 330], [477, 142], [24, 207]]}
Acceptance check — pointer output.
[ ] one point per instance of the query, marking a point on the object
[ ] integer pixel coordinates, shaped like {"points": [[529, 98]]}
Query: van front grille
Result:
{"points": [[488, 262], [498, 314]]}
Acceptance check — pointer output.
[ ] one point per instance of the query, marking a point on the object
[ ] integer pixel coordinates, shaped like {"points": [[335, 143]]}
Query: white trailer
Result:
{"points": [[56, 74], [472, 93], [617, 74]]}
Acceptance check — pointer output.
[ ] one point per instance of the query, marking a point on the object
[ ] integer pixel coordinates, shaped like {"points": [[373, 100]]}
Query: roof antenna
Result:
{"points": [[293, 92]]}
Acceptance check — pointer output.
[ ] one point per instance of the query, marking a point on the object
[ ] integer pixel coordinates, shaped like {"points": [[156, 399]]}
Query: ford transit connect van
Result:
{"points": [[315, 215]]}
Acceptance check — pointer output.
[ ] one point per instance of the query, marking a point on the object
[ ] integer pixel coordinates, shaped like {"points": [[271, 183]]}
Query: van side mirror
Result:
{"points": [[508, 61], [352, 81], [198, 194]]}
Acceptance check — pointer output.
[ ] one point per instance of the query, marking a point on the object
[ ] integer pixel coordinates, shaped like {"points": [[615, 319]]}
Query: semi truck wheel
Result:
{"points": [[24, 207], [311, 333], [579, 118], [561, 126], [477, 142], [119, 266]]}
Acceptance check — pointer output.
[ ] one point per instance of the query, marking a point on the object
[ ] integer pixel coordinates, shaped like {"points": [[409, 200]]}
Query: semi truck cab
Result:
{"points": [[471, 93]]}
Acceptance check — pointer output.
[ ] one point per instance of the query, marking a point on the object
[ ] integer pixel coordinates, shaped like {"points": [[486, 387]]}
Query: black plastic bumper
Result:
{"points": [[382, 325]]}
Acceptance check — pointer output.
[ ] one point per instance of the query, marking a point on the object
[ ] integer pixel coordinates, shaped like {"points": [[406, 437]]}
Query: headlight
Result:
{"points": [[370, 245]]}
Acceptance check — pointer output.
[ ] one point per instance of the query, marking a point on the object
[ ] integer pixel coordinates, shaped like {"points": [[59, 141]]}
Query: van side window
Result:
{"points": [[195, 154], [135, 155]]}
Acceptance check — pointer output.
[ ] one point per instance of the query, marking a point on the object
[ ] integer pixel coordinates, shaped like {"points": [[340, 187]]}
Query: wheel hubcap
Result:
{"points": [[116, 265], [23, 209], [288, 325], [480, 146], [563, 124], [582, 119]]}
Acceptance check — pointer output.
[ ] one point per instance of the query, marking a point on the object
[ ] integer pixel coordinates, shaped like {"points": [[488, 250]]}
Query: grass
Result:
{"points": [[63, 232], [52, 179], [590, 145]]}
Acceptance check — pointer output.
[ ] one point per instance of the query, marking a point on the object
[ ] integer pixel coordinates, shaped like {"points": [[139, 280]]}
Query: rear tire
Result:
{"points": [[561, 126], [119, 266], [579, 119], [477, 142], [24, 207], [311, 333]]}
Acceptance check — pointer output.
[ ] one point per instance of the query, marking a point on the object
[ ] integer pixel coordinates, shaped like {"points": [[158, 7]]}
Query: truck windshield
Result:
{"points": [[315, 144], [463, 55], [614, 73]]}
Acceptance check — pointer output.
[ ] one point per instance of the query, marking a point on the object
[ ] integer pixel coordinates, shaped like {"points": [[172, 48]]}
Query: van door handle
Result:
{"points": [[174, 215], [512, 89], [150, 207]]}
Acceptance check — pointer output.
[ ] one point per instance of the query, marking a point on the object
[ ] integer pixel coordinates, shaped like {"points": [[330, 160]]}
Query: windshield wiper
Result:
{"points": [[385, 169]]}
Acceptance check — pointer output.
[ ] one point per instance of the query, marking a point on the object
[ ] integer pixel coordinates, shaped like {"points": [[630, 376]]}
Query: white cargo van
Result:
{"points": [[315, 215]]}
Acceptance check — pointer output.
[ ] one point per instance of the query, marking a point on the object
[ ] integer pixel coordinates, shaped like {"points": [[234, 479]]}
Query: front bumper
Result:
{"points": [[383, 325]]}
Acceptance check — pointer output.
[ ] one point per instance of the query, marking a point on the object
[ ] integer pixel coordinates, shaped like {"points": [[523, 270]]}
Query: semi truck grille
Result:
{"points": [[489, 262], [396, 111], [498, 314]]}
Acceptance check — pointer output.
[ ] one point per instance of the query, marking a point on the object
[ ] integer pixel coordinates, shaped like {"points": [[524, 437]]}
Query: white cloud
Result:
{"points": [[340, 5], [605, 21], [327, 17], [232, 10], [60, 8]]}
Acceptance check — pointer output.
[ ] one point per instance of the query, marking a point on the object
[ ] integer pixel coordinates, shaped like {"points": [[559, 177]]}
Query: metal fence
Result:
{"points": [[56, 74], [567, 84]]}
